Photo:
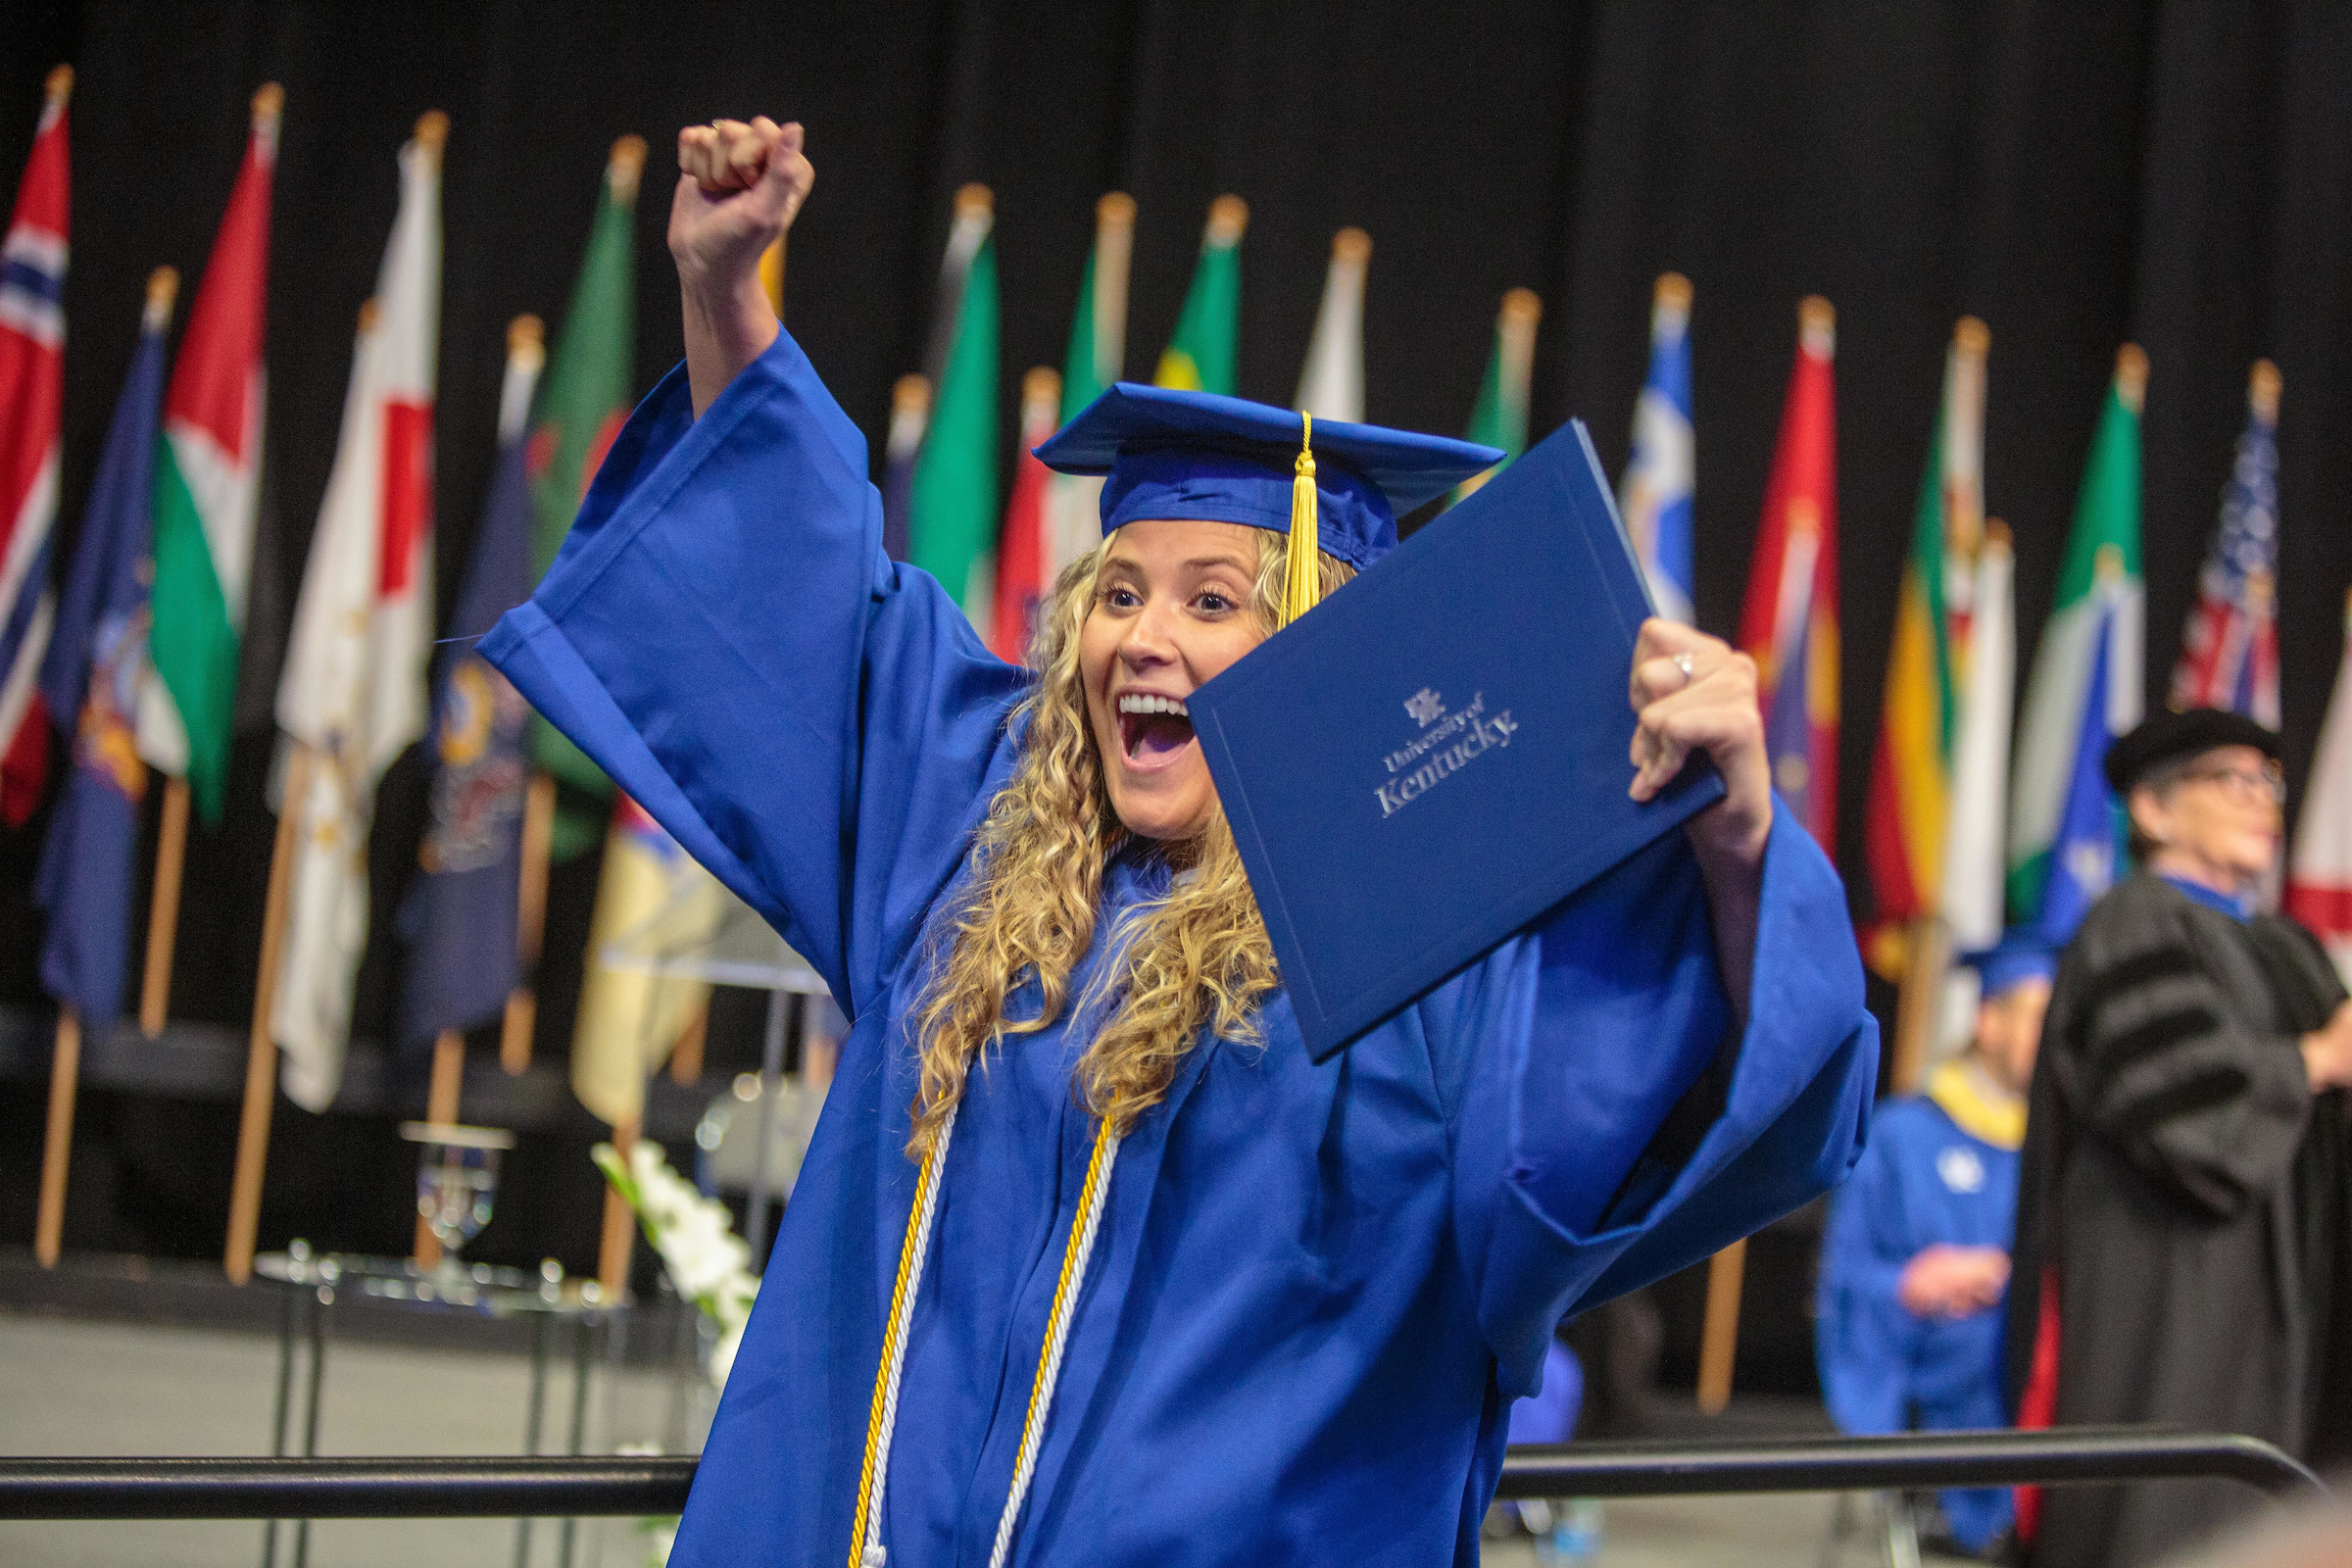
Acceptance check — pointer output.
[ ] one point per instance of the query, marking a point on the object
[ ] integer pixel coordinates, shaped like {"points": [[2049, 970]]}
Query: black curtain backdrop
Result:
{"points": [[2076, 174]]}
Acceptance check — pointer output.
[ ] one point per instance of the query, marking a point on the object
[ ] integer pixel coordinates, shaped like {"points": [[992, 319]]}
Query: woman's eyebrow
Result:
{"points": [[1199, 561]]}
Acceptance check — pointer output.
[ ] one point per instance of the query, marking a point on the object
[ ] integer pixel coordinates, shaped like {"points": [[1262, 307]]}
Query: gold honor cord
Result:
{"points": [[866, 1545], [1302, 576]]}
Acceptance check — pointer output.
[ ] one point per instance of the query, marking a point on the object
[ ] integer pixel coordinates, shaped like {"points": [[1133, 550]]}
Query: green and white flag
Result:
{"points": [[1098, 357], [952, 504], [2101, 569], [208, 470], [583, 401], [1199, 357]]}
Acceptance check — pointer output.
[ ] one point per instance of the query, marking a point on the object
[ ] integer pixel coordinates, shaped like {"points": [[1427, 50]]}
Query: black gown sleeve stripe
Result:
{"points": [[2214, 1085], [2167, 1029], [2140, 969]]}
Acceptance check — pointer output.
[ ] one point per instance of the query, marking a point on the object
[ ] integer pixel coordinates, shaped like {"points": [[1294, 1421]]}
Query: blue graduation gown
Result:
{"points": [[1317, 1286], [1924, 1180]]}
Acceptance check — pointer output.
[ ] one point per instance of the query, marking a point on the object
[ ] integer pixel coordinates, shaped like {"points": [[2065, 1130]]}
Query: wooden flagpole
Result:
{"points": [[1919, 1004], [261, 1057], [620, 1225], [686, 1056], [441, 1109], [1719, 1340], [530, 926], [163, 912], [65, 1076]]}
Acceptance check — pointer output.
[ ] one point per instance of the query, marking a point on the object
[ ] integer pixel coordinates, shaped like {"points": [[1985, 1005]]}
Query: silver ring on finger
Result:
{"points": [[1689, 668]]}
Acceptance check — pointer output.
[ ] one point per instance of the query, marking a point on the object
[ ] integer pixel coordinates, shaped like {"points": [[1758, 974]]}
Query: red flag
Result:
{"points": [[1789, 624], [1023, 567], [2319, 880], [32, 388]]}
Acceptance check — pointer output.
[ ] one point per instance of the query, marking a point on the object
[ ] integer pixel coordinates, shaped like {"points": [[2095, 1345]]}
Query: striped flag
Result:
{"points": [[951, 499], [583, 400], [2230, 649], [1906, 823], [1655, 494], [1789, 624], [2099, 602], [2319, 879], [1979, 789], [32, 396], [1097, 358], [1202, 353], [89, 865], [1330, 385], [1022, 578], [353, 689], [208, 472], [1499, 416]]}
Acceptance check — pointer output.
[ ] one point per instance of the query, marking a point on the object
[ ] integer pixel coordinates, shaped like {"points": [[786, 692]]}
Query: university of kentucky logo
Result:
{"points": [[1448, 742]]}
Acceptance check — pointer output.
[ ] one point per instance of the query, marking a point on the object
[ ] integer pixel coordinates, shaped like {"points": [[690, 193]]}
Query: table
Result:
{"points": [[310, 1284]]}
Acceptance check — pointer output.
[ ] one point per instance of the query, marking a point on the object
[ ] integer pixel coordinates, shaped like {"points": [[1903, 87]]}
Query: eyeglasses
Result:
{"points": [[2247, 785]]}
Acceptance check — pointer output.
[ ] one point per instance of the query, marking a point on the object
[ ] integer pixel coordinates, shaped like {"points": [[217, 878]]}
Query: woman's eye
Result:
{"points": [[1121, 598], [1215, 602]]}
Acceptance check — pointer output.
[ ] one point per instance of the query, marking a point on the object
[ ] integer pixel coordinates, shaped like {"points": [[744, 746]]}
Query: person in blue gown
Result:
{"points": [[1088, 1260], [1915, 1262]]}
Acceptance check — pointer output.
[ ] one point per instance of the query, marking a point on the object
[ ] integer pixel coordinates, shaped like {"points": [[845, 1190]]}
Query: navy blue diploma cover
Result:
{"points": [[1438, 753]]}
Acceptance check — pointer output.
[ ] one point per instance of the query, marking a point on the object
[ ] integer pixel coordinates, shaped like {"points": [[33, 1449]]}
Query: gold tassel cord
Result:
{"points": [[1303, 584]]}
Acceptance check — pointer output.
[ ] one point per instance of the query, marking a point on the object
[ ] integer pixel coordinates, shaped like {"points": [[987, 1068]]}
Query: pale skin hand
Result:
{"points": [[1711, 709], [1944, 1281], [2328, 1053], [740, 185]]}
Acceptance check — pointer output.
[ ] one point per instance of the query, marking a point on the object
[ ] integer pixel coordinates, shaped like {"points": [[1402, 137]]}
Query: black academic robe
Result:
{"points": [[2181, 1208]]}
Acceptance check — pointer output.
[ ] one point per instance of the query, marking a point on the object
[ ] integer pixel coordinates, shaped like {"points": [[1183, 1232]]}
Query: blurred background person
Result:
{"points": [[2182, 1227], [1916, 1256]]}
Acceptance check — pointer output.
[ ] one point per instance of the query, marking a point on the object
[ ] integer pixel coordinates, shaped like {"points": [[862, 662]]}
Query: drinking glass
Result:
{"points": [[456, 1178]]}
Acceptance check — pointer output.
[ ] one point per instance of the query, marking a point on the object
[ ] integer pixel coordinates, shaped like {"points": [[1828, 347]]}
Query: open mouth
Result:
{"points": [[1153, 727]]}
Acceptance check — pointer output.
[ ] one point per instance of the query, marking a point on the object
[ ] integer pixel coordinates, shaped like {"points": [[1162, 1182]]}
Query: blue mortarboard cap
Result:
{"points": [[1173, 454], [2023, 954]]}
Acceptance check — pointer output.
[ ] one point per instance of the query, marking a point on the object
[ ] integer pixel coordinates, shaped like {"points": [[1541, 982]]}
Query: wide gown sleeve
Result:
{"points": [[2166, 1071], [722, 634], [1608, 1127]]}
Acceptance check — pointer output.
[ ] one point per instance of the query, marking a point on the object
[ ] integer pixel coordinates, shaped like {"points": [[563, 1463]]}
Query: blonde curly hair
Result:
{"points": [[1197, 956]]}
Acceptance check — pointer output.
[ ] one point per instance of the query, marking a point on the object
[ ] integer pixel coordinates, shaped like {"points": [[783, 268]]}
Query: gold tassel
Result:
{"points": [[1302, 587]]}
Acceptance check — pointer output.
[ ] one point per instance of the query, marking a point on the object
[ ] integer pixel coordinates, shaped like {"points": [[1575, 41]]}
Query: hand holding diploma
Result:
{"points": [[740, 185], [1692, 692]]}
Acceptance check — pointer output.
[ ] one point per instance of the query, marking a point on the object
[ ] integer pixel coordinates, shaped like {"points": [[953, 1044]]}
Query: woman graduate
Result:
{"points": [[1087, 1261]]}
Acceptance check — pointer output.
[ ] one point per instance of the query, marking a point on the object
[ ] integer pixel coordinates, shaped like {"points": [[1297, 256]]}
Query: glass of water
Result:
{"points": [[456, 1178]]}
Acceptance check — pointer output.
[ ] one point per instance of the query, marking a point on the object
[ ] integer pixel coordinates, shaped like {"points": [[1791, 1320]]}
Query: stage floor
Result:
{"points": [[87, 1387]]}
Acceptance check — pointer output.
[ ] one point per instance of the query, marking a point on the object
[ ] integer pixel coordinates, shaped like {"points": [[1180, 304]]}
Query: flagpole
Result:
{"points": [[65, 1076], [1719, 1340], [440, 1110], [621, 1226], [1927, 959], [261, 1059], [163, 913], [530, 926], [686, 1056]]}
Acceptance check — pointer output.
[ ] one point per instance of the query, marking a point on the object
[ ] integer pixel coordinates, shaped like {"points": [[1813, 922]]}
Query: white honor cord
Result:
{"points": [[1057, 1339], [873, 1556]]}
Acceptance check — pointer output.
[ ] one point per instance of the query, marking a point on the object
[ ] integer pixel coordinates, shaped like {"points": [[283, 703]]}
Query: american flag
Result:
{"points": [[2230, 649], [32, 385]]}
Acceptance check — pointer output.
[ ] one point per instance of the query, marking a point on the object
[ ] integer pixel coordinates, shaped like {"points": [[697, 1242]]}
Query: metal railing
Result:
{"points": [[574, 1487]]}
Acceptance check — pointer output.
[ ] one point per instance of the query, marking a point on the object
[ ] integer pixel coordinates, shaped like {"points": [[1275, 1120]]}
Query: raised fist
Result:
{"points": [[740, 185]]}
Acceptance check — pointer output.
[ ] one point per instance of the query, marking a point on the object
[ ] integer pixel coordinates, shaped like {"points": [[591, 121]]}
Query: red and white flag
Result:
{"points": [[2229, 649], [354, 686], [33, 395], [2319, 879]]}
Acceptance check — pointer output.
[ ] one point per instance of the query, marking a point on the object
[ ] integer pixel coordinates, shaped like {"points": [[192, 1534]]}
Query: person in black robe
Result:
{"points": [[2182, 1224]]}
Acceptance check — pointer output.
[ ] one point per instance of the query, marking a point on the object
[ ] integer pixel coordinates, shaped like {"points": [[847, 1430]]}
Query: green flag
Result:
{"points": [[583, 400], [1199, 357], [2100, 573], [1499, 416], [951, 507], [1098, 357]]}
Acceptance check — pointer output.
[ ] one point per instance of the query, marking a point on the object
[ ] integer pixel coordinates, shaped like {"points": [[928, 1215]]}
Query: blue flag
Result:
{"points": [[2084, 858], [459, 919], [97, 657]]}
